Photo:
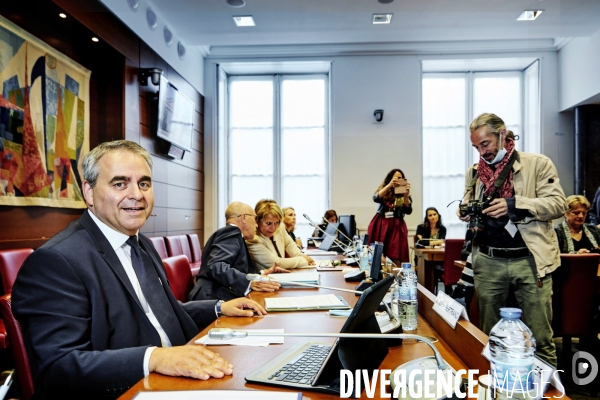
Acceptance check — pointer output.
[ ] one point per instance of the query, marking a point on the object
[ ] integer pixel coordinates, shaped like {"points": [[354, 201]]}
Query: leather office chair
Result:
{"points": [[196, 261], [573, 302], [10, 264], [173, 246], [179, 274], [17, 347], [160, 246], [451, 274]]}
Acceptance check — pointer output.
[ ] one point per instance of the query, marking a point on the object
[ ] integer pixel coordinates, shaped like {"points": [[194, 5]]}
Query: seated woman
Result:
{"points": [[431, 229], [289, 220], [574, 236], [272, 243], [329, 217]]}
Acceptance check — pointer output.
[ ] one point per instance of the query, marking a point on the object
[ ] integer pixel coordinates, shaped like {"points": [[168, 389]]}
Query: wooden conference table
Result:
{"points": [[426, 260], [461, 347]]}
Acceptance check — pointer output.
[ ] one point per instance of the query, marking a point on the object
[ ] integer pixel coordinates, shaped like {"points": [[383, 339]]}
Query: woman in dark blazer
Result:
{"points": [[388, 225], [431, 228], [574, 236]]}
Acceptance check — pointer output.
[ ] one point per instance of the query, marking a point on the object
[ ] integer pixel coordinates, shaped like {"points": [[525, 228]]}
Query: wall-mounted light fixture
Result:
{"points": [[378, 115], [152, 73]]}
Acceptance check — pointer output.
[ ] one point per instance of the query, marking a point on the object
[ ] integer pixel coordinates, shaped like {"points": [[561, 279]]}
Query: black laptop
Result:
{"points": [[319, 364]]}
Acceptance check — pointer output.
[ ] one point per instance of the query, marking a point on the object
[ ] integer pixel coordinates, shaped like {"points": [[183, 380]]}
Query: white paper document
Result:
{"points": [[302, 277], [218, 394], [260, 341], [318, 252], [324, 301]]}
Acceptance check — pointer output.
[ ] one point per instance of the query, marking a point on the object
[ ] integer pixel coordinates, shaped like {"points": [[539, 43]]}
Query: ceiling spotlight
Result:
{"points": [[382, 18], [385, 1], [62, 15], [236, 3], [95, 39], [529, 15], [245, 20], [151, 19]]}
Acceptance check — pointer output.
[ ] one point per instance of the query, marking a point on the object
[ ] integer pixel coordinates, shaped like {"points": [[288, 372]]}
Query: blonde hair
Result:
{"points": [[576, 200], [284, 210], [266, 207], [495, 124]]}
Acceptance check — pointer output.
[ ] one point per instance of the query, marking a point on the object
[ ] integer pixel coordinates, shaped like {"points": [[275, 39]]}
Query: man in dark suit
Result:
{"points": [[91, 326], [226, 260]]}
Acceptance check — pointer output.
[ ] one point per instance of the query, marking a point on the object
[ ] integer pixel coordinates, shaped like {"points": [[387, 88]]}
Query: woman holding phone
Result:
{"points": [[388, 225]]}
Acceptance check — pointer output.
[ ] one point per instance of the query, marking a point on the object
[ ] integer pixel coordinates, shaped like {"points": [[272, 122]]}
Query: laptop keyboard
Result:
{"points": [[304, 367]]}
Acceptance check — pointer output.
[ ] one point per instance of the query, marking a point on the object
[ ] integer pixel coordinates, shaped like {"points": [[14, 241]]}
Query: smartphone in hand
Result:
{"points": [[401, 188]]}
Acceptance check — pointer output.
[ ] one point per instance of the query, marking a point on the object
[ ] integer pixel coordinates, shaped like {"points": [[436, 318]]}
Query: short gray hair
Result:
{"points": [[91, 159]]}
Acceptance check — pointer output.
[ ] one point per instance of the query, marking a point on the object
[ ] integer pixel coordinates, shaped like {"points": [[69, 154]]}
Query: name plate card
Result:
{"points": [[449, 309]]}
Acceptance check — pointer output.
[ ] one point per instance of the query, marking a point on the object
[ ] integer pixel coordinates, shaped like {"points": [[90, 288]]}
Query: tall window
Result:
{"points": [[277, 142], [450, 102]]}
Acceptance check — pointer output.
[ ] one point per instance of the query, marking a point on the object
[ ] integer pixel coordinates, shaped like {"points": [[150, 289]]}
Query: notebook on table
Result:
{"points": [[316, 366]]}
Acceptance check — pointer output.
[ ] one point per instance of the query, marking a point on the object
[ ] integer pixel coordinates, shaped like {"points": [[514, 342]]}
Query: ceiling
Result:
{"points": [[209, 23]]}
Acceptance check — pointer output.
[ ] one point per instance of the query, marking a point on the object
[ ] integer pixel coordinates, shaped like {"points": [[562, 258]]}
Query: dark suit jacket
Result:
{"points": [[225, 263], [84, 327]]}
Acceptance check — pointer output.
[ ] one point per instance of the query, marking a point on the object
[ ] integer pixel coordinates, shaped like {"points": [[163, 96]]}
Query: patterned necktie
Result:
{"points": [[154, 292]]}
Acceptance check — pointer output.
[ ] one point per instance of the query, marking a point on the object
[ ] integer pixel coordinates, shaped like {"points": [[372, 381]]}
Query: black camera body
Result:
{"points": [[474, 209]]}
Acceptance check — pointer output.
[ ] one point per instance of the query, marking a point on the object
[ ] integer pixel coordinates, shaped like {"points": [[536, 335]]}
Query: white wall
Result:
{"points": [[363, 152], [579, 77]]}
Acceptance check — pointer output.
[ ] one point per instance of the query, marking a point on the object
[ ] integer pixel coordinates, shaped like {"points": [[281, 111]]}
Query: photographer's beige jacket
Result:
{"points": [[537, 190]]}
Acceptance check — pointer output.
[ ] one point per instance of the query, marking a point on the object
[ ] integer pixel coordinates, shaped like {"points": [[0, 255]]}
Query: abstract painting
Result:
{"points": [[44, 122]]}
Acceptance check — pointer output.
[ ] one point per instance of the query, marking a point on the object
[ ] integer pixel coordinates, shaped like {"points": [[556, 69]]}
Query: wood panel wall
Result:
{"points": [[119, 108]]}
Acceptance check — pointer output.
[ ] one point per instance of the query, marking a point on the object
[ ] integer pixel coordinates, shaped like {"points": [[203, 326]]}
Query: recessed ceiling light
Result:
{"points": [[385, 1], [95, 39], [529, 15], [236, 3], [62, 15], [151, 19], [245, 20], [382, 18]]}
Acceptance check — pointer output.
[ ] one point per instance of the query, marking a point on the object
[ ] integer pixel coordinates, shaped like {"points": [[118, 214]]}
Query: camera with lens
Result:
{"points": [[474, 209]]}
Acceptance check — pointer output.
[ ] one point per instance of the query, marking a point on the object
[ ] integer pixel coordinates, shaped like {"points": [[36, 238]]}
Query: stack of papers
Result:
{"points": [[302, 277], [262, 341], [318, 252], [303, 303]]}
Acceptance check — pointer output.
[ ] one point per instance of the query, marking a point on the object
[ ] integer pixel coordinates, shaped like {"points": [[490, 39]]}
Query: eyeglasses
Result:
{"points": [[248, 215]]}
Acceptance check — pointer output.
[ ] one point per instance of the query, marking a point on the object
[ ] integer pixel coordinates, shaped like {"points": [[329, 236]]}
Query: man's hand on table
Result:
{"points": [[242, 307], [190, 360]]}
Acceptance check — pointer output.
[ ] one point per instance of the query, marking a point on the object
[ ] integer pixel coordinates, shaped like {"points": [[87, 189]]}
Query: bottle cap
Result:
{"points": [[511, 313], [406, 265]]}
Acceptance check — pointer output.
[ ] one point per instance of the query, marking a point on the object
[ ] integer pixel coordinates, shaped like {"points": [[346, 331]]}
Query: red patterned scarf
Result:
{"points": [[488, 175]]}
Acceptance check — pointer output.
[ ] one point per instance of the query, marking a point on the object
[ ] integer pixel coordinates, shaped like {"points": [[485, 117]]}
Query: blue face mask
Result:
{"points": [[499, 156]]}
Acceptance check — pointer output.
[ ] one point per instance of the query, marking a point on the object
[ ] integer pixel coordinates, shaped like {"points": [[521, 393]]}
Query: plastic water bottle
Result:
{"points": [[364, 259], [512, 348], [407, 297], [357, 245]]}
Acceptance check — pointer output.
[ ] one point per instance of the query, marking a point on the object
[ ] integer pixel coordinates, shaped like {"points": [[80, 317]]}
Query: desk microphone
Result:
{"points": [[228, 333], [346, 249]]}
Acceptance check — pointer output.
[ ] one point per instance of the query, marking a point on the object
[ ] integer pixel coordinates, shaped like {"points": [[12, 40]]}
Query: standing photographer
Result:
{"points": [[515, 246]]}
